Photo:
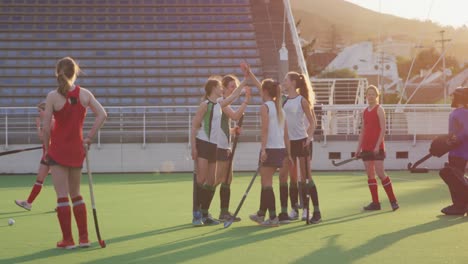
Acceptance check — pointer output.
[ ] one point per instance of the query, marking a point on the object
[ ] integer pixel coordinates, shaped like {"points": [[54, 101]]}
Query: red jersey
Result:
{"points": [[371, 130], [66, 141]]}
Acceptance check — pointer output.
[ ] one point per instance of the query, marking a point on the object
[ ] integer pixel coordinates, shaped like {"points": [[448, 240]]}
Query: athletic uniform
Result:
{"points": [[297, 131], [275, 148], [224, 138], [207, 136], [370, 137], [371, 134], [453, 173], [66, 141]]}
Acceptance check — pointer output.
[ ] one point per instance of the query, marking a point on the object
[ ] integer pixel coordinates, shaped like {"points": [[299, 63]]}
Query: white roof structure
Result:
{"points": [[361, 58]]}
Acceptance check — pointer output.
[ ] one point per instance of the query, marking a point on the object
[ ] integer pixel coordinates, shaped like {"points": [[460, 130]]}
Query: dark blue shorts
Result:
{"points": [[206, 150], [275, 158], [222, 154], [370, 155], [299, 150]]}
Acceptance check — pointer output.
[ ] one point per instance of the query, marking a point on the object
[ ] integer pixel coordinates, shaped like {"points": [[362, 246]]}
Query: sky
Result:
{"points": [[445, 12]]}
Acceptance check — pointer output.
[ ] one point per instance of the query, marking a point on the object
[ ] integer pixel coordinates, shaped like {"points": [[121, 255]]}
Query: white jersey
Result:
{"points": [[275, 129], [296, 118], [209, 130], [224, 134]]}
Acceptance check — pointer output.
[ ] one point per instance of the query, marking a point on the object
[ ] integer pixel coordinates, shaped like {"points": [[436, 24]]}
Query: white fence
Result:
{"points": [[152, 124]]}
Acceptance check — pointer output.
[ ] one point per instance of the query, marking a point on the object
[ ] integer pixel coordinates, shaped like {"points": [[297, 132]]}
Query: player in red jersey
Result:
{"points": [[371, 148], [43, 170], [65, 146]]}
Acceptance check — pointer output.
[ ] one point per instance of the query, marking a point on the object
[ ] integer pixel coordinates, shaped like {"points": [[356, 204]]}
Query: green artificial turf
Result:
{"points": [[146, 218]]}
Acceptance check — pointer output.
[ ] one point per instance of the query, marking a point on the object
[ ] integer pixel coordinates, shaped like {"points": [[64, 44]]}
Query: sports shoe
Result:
{"points": [[304, 215], [372, 207], [23, 204], [284, 218], [270, 222], [84, 244], [294, 214], [227, 216], [453, 210], [316, 218], [259, 219], [394, 205], [66, 244], [197, 219], [209, 221]]}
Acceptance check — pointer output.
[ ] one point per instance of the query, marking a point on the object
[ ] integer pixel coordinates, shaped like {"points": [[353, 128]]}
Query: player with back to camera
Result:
{"points": [[204, 135], [224, 153], [43, 169], [453, 173], [65, 146], [371, 148], [274, 146], [301, 123]]}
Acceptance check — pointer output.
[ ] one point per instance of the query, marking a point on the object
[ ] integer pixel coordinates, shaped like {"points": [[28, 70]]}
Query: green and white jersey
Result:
{"points": [[224, 136], [209, 130]]}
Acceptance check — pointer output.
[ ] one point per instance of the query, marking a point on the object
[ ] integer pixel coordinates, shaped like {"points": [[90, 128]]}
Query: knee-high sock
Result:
{"points": [[224, 195], [284, 197], [293, 193], [207, 196], [36, 189], [312, 188], [270, 201], [79, 210], [387, 184], [263, 203], [302, 193], [199, 194], [64, 217], [373, 190]]}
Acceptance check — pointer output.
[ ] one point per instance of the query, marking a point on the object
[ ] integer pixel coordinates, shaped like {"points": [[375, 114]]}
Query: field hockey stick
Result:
{"points": [[307, 189], [195, 193], [229, 223], [18, 151], [91, 192], [234, 146], [336, 164], [299, 180], [414, 168]]}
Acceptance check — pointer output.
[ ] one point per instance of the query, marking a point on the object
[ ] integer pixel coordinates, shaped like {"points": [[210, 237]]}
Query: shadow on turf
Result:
{"points": [[95, 246], [215, 241], [334, 253]]}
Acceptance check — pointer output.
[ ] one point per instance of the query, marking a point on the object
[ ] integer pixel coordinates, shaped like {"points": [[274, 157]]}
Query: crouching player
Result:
{"points": [[453, 173]]}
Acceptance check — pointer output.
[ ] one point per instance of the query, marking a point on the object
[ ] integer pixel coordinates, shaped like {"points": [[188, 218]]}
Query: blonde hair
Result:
{"points": [[66, 71], [273, 89]]}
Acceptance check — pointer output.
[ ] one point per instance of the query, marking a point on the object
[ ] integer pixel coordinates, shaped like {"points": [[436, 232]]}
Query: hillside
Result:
{"points": [[354, 23]]}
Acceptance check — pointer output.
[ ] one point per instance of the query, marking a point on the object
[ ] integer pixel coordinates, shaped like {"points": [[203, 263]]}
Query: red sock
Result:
{"points": [[373, 190], [64, 217], [35, 191], [79, 210], [387, 184]]}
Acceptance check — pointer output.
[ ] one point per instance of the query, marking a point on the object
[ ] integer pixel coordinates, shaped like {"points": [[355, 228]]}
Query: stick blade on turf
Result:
{"points": [[228, 223]]}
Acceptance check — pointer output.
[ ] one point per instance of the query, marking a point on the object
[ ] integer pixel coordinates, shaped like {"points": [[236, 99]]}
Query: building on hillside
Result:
{"points": [[379, 68], [458, 80], [318, 61]]}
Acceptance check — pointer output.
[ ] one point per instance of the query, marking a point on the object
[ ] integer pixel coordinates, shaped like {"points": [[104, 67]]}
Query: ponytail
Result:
{"points": [[273, 90], [66, 71], [304, 86]]}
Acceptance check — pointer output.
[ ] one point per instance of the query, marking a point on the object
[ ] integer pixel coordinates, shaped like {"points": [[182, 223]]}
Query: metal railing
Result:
{"points": [[153, 124]]}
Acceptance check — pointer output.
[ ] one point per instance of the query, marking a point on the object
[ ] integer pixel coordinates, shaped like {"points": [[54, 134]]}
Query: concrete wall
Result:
{"points": [[176, 157]]}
